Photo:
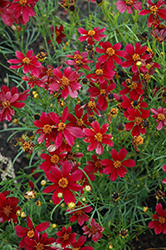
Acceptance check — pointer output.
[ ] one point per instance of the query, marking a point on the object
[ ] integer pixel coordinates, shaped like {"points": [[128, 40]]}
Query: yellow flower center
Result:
{"points": [[93, 229], [136, 57], [54, 159], [98, 137], [80, 122], [26, 60], [23, 2], [99, 72], [26, 145], [153, 9], [47, 129], [77, 56], [32, 78], [49, 72], [102, 92], [128, 82], [7, 210], [138, 140], [65, 236], [113, 112], [92, 104], [110, 51], [63, 182], [134, 85], [117, 164], [91, 33], [65, 81], [79, 212], [57, 33], [30, 233], [161, 220], [75, 248], [61, 126], [129, 2], [98, 164], [79, 62], [138, 120], [40, 246], [161, 117], [6, 104]]}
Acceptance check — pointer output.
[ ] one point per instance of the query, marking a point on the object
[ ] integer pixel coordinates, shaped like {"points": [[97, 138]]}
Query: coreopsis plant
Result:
{"points": [[83, 108]]}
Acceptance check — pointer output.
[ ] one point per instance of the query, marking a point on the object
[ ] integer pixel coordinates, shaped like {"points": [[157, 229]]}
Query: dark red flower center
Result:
{"points": [[54, 158], [80, 122], [117, 164], [91, 33], [7, 210], [30, 233], [129, 2], [65, 81], [99, 72], [6, 104], [61, 126], [63, 182], [110, 51], [136, 57], [138, 120], [98, 164], [65, 236], [161, 117], [47, 129], [153, 9], [161, 220], [79, 212], [26, 60], [57, 33], [23, 2], [40, 246], [92, 104], [98, 137], [93, 229]]}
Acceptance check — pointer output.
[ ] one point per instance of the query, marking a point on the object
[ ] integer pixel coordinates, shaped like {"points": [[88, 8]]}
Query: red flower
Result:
{"points": [[80, 60], [159, 222], [65, 237], [111, 55], [78, 245], [64, 183], [8, 208], [80, 119], [91, 35], [94, 230], [29, 63], [80, 213], [32, 80], [59, 34], [95, 165], [46, 129], [66, 131], [154, 10], [159, 34], [164, 168], [101, 74], [8, 99], [23, 232], [96, 136], [67, 82], [160, 117], [92, 107], [117, 166], [134, 55], [136, 123], [52, 160], [122, 6], [102, 93], [40, 242]]}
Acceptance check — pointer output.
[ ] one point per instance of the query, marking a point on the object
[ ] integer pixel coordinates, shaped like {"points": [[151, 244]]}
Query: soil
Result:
{"points": [[145, 241]]}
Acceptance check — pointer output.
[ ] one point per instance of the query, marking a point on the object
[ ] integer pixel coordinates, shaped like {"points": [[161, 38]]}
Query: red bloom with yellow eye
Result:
{"points": [[160, 117], [65, 237], [8, 208], [95, 165], [96, 137], [111, 55], [127, 5], [136, 121], [159, 220], [117, 167], [154, 11], [59, 34], [28, 62], [8, 99], [78, 245], [64, 183], [94, 230], [91, 35], [29, 232]]}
